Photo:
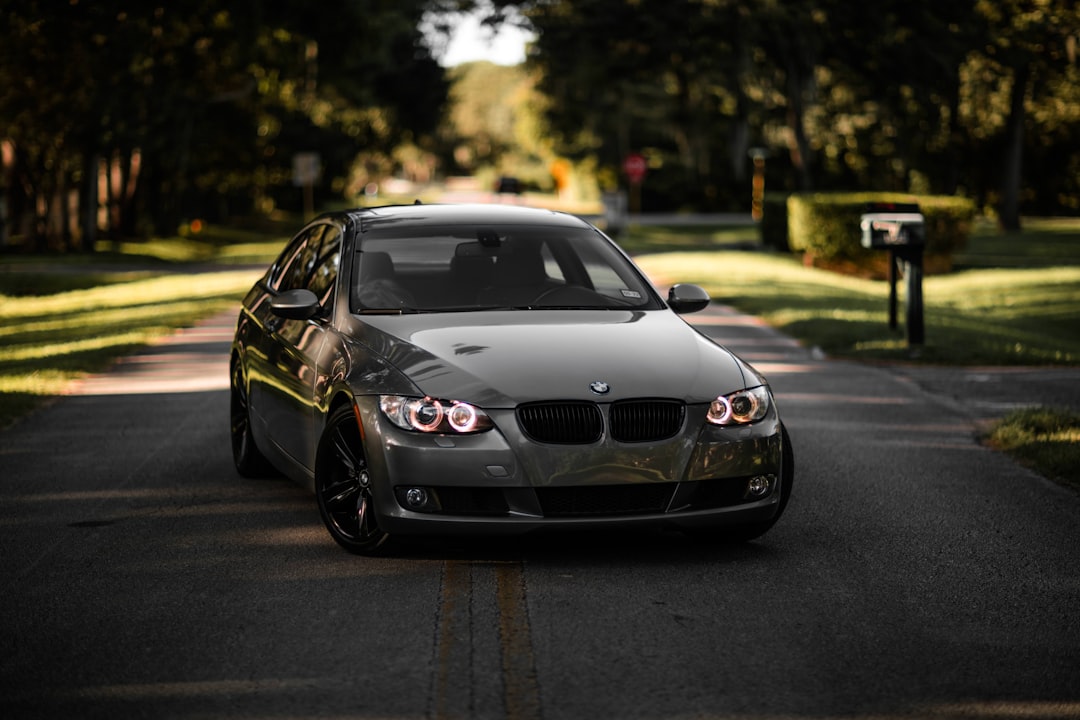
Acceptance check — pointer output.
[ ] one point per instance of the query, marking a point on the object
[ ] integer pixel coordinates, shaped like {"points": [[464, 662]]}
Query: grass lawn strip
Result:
{"points": [[978, 317], [1044, 439], [48, 342]]}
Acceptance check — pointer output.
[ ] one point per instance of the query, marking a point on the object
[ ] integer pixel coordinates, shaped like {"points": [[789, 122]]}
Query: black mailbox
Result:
{"points": [[900, 229], [892, 225]]}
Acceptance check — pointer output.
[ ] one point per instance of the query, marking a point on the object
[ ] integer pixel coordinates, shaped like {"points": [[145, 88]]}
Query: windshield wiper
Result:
{"points": [[389, 311]]}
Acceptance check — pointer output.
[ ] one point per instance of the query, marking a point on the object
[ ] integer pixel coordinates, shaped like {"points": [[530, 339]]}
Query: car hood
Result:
{"points": [[504, 358]]}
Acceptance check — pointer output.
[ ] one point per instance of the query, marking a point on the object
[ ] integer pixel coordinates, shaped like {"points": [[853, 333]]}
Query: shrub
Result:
{"points": [[824, 227]]}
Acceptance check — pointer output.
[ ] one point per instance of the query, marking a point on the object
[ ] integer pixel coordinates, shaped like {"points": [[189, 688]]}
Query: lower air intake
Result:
{"points": [[597, 500]]}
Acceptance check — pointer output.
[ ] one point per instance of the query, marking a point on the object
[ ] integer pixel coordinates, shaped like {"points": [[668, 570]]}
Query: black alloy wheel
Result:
{"points": [[343, 486], [246, 456]]}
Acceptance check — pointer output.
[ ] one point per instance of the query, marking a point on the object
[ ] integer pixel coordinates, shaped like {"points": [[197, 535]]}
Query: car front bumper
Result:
{"points": [[501, 482]]}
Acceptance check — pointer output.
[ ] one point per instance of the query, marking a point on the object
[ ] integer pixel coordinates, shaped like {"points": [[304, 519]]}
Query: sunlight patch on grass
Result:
{"points": [[48, 342], [39, 382], [256, 253], [174, 250], [100, 342], [889, 345], [788, 317], [998, 316], [974, 289], [76, 323], [1043, 438], [141, 292]]}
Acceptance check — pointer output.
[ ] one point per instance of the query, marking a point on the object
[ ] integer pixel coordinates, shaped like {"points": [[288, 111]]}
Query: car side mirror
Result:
{"points": [[295, 305], [684, 298]]}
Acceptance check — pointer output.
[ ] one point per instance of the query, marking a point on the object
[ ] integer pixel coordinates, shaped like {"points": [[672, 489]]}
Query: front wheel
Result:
{"points": [[343, 486]]}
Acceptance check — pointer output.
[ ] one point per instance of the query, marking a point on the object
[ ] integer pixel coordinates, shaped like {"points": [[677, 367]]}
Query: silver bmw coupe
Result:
{"points": [[495, 369]]}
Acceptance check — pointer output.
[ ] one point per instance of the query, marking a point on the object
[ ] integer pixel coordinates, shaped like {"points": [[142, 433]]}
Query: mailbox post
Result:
{"points": [[900, 229]]}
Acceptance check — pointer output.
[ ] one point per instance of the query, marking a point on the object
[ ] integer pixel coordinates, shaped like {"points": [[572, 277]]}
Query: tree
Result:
{"points": [[887, 95], [625, 77], [195, 107], [1032, 46]]}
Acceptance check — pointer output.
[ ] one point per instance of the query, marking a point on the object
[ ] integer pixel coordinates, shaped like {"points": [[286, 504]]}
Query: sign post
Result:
{"points": [[635, 167], [306, 170], [757, 186]]}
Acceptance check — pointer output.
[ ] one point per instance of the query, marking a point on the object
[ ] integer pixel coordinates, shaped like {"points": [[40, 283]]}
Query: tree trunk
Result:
{"points": [[1014, 152], [798, 145], [92, 173], [7, 189], [739, 139], [957, 148]]}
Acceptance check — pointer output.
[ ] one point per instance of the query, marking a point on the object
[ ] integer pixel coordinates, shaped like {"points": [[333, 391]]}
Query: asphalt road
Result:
{"points": [[915, 574]]}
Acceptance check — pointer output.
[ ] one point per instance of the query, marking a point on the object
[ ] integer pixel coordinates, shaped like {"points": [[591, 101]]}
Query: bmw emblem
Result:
{"points": [[599, 387]]}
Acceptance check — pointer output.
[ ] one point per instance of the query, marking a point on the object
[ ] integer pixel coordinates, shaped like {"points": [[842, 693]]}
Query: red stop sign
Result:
{"points": [[635, 167]]}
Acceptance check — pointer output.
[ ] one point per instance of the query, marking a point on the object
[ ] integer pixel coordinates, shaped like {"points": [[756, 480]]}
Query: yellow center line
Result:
{"points": [[521, 693], [483, 612]]}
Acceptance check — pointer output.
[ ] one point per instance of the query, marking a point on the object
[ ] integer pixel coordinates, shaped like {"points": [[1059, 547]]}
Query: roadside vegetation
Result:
{"points": [[1044, 439], [1014, 299], [62, 317]]}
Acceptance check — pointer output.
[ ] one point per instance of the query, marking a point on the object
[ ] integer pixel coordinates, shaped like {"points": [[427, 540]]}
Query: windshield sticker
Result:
{"points": [[631, 294]]}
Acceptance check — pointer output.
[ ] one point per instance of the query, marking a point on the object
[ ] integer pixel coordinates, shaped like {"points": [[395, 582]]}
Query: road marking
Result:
{"points": [[454, 622], [520, 688], [483, 635]]}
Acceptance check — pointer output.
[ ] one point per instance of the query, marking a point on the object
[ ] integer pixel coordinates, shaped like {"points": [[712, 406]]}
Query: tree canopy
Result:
{"points": [[130, 117], [976, 96], [166, 111]]}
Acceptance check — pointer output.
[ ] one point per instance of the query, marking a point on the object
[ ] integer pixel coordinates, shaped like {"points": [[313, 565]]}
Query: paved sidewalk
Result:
{"points": [[191, 359], [986, 393]]}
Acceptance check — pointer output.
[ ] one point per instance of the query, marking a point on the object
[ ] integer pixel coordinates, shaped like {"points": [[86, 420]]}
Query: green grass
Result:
{"points": [[975, 317], [1015, 308], [65, 316], [1043, 242], [1044, 439], [46, 342], [640, 239]]}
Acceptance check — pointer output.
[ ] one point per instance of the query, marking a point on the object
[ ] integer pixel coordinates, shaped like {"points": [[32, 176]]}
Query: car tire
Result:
{"points": [[343, 486], [750, 531], [247, 458]]}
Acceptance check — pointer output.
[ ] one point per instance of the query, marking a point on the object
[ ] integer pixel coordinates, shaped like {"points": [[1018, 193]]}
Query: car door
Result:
{"points": [[261, 339], [289, 369]]}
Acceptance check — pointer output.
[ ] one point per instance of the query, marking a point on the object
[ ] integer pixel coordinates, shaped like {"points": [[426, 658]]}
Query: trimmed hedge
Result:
{"points": [[824, 227]]}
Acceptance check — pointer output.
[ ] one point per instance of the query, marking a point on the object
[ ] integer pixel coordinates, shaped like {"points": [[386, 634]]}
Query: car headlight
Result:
{"points": [[430, 415], [739, 408]]}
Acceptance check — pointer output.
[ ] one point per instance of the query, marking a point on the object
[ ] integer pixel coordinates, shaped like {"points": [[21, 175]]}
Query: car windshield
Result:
{"points": [[466, 268]]}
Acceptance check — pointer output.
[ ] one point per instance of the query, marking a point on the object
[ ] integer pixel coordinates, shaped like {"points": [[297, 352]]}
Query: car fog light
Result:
{"points": [[759, 486], [416, 497]]}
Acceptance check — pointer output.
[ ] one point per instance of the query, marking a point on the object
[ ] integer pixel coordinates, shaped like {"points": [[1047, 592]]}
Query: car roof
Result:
{"points": [[462, 214]]}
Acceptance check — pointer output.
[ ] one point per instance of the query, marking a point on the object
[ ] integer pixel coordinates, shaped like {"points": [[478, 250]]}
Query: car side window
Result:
{"points": [[285, 262], [551, 265], [323, 277], [300, 270]]}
